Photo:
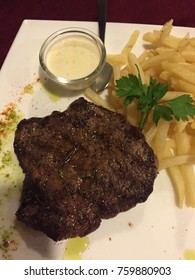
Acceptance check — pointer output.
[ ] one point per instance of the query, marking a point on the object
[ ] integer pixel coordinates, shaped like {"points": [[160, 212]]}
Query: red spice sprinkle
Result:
{"points": [[5, 120], [110, 239], [8, 109]]}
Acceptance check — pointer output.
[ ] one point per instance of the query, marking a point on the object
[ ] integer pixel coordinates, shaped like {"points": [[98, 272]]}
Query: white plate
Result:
{"points": [[156, 229]]}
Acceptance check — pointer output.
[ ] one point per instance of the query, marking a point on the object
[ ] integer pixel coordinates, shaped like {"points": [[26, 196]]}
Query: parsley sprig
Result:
{"points": [[149, 98]]}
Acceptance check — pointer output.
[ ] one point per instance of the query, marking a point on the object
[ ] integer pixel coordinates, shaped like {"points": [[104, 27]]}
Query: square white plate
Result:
{"points": [[156, 229]]}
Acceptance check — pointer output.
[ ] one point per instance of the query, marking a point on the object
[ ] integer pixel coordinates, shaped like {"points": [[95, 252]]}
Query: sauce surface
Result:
{"points": [[73, 58]]}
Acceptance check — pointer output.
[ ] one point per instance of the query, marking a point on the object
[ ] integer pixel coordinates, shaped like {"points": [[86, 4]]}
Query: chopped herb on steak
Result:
{"points": [[81, 166]]}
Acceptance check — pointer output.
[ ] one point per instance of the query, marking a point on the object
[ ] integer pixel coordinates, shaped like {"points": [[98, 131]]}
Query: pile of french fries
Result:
{"points": [[170, 60]]}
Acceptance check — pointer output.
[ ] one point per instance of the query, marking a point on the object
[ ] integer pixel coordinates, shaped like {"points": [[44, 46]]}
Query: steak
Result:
{"points": [[81, 166]]}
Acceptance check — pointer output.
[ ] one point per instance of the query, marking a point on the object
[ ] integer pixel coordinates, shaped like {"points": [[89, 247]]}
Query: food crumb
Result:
{"points": [[130, 224], [110, 239]]}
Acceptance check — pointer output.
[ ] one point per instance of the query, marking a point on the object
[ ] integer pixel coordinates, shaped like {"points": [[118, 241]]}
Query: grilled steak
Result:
{"points": [[81, 166]]}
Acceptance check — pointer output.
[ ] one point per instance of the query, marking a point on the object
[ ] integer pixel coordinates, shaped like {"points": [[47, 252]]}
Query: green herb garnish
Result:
{"points": [[149, 99]]}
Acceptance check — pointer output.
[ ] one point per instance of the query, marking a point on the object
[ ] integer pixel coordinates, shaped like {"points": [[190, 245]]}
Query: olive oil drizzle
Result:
{"points": [[75, 247], [189, 254]]}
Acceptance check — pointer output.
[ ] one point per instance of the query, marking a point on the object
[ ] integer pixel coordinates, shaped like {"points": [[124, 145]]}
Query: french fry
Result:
{"points": [[116, 71], [150, 134], [170, 42], [179, 84], [133, 62], [189, 56], [166, 30], [163, 49], [178, 184], [130, 44], [188, 174], [169, 59], [160, 137], [121, 59], [132, 114], [184, 74], [175, 176], [156, 61], [145, 55], [151, 37], [176, 161], [97, 99]]}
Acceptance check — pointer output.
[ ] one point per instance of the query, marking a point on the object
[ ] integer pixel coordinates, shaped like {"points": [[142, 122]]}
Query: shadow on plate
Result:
{"points": [[36, 245]]}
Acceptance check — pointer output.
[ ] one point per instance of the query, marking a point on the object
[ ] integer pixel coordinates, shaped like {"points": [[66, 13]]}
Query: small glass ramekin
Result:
{"points": [[77, 83]]}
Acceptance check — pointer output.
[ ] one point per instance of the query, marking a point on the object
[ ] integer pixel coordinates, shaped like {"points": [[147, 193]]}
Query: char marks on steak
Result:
{"points": [[81, 166]]}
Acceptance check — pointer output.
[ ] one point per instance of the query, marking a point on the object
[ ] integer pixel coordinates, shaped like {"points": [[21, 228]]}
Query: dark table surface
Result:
{"points": [[13, 12]]}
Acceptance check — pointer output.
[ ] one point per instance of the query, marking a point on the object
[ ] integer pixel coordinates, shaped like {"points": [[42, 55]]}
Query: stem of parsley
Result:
{"points": [[143, 119]]}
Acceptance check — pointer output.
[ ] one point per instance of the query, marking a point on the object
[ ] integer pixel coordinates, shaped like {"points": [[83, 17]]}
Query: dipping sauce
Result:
{"points": [[73, 57]]}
